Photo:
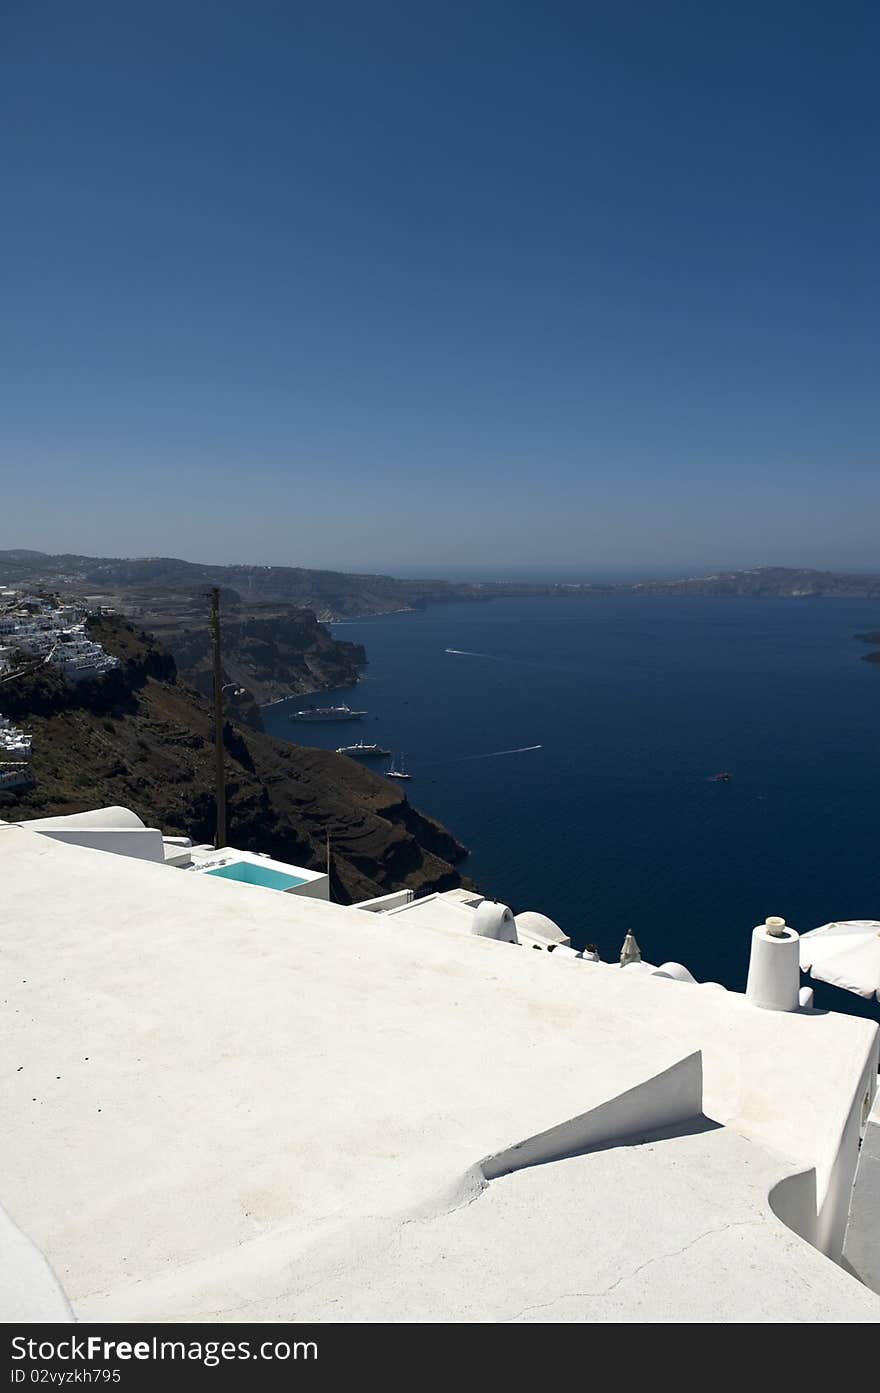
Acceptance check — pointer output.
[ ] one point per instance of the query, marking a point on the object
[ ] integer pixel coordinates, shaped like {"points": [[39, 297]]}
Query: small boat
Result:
{"points": [[361, 748], [395, 773], [327, 713], [722, 778]]}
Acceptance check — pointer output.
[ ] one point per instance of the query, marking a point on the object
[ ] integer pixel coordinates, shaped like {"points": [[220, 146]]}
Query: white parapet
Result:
{"points": [[116, 830], [380, 904], [143, 843], [774, 967]]}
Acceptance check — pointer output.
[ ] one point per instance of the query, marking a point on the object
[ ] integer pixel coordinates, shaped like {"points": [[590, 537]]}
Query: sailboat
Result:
{"points": [[394, 773]]}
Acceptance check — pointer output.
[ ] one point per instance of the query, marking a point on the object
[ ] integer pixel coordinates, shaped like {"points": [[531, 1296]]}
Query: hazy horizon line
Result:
{"points": [[534, 572]]}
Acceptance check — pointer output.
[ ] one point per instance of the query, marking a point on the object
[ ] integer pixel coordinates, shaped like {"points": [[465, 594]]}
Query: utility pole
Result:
{"points": [[220, 773]]}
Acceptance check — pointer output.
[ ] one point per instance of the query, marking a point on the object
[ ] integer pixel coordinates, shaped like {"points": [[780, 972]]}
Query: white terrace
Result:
{"points": [[223, 1104]]}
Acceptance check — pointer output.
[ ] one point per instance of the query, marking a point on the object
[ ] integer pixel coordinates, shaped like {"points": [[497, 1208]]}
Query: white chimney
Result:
{"points": [[774, 967]]}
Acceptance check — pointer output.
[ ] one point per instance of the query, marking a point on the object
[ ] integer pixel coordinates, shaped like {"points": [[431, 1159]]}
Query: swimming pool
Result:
{"points": [[251, 873]]}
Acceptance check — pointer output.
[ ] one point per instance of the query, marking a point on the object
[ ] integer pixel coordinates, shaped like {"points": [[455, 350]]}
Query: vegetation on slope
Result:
{"points": [[143, 738]]}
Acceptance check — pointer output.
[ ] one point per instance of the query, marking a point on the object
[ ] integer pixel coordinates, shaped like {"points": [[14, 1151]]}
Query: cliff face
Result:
{"points": [[143, 738], [272, 651]]}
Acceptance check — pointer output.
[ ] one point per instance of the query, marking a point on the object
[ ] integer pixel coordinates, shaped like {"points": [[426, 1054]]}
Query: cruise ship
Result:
{"points": [[361, 748], [327, 713]]}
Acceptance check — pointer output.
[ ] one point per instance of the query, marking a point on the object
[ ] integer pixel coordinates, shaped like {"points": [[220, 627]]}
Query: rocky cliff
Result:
{"points": [[272, 651], [143, 738]]}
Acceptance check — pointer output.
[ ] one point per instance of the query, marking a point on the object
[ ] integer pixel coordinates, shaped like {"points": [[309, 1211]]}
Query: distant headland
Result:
{"points": [[155, 583]]}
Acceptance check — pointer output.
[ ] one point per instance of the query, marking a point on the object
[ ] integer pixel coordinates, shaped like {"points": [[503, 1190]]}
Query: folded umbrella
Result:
{"points": [[845, 954]]}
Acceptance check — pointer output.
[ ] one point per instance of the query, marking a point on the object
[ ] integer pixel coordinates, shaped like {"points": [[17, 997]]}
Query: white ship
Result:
{"points": [[327, 713], [361, 748]]}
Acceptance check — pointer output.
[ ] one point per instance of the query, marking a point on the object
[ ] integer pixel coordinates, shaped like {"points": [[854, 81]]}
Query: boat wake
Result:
{"points": [[466, 653], [494, 657], [494, 754]]}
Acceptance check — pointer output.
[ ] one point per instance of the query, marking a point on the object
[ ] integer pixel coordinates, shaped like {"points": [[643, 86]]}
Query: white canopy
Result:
{"points": [[846, 954]]}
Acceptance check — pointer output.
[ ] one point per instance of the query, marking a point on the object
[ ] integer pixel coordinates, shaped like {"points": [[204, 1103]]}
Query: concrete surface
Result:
{"points": [[216, 1102]]}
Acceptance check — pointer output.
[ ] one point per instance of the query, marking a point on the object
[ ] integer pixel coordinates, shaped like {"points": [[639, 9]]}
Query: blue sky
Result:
{"points": [[441, 286]]}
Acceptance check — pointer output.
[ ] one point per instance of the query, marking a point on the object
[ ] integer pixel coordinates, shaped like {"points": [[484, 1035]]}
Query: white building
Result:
{"points": [[122, 832], [55, 633], [222, 1104], [15, 744], [31, 638], [79, 657], [16, 748]]}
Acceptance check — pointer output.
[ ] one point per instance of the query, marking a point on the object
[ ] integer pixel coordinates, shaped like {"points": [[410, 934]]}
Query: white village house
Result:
{"points": [[41, 628], [35, 630]]}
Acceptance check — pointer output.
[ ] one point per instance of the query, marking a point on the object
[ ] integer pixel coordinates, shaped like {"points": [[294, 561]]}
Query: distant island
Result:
{"points": [[145, 586]]}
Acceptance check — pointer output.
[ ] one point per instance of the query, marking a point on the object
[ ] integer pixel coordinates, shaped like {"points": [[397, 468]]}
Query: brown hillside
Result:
{"points": [[142, 738]]}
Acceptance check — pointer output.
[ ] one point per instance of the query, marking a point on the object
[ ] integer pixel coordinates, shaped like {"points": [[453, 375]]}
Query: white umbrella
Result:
{"points": [[630, 952], [846, 954]]}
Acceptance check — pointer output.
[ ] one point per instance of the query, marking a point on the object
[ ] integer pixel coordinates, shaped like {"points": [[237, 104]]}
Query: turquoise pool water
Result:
{"points": [[248, 873]]}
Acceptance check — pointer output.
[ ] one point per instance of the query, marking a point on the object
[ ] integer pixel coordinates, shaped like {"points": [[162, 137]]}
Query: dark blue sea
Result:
{"points": [[615, 822]]}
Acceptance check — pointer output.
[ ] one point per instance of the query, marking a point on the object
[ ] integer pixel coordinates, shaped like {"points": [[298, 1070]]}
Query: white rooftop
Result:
{"points": [[262, 1107]]}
